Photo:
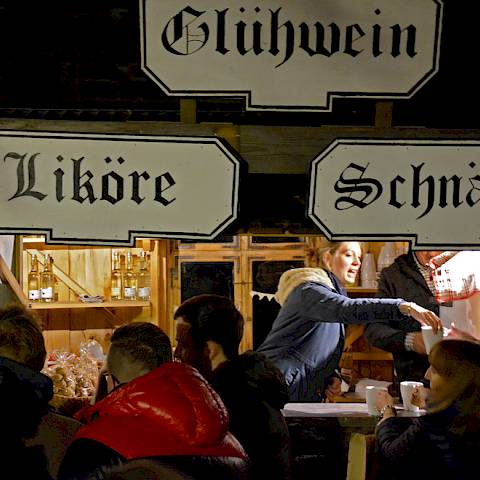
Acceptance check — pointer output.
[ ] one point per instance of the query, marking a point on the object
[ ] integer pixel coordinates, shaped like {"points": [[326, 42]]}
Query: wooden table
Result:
{"points": [[320, 433]]}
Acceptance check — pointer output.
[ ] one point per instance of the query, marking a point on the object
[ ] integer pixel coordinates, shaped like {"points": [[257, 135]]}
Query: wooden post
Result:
{"points": [[383, 114], [188, 110], [159, 290]]}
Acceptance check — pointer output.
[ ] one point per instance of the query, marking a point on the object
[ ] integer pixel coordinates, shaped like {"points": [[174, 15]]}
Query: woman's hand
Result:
{"points": [[455, 332], [384, 404], [419, 397], [421, 315], [383, 398], [333, 390]]}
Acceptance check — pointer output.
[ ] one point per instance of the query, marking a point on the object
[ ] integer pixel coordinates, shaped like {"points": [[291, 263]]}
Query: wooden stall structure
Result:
{"points": [[245, 268]]}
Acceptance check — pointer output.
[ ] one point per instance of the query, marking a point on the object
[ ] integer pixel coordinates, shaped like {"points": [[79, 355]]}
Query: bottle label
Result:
{"points": [[129, 292], [115, 291], [144, 293], [33, 294], [47, 292]]}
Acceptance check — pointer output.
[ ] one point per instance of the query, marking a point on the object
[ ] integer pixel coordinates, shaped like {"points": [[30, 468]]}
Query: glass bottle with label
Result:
{"points": [[143, 278], [34, 281], [116, 278], [47, 280], [129, 279]]}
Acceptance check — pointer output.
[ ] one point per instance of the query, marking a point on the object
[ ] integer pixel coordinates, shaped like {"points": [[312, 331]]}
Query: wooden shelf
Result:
{"points": [[361, 290], [116, 304]]}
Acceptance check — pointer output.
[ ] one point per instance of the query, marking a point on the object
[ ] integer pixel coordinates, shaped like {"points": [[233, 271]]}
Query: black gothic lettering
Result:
{"points": [[21, 190], [159, 188], [369, 187]]}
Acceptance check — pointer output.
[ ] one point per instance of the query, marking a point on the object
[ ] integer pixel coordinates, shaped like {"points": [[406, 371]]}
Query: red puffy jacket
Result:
{"points": [[171, 410]]}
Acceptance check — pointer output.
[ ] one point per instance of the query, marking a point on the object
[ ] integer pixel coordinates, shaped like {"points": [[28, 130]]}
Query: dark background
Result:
{"points": [[81, 60]]}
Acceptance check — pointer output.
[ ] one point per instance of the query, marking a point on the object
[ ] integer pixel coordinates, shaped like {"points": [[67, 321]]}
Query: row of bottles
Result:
{"points": [[130, 284], [41, 285]]}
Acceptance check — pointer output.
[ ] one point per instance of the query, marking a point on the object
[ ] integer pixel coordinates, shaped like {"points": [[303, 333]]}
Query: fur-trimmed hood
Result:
{"points": [[291, 279]]}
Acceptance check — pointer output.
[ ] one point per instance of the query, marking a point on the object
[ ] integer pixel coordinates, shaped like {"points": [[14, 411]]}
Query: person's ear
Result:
{"points": [[216, 354], [213, 349], [327, 259]]}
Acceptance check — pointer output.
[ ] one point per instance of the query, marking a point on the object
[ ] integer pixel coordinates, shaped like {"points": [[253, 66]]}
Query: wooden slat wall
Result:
{"points": [[90, 268]]}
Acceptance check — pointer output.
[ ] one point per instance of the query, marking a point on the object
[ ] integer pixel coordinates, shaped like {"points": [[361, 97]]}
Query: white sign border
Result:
{"points": [[247, 95], [239, 170], [415, 244]]}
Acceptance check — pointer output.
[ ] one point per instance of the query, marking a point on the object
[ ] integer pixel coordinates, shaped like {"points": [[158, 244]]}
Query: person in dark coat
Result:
{"points": [[443, 444], [307, 337], [408, 277], [209, 331], [24, 394], [160, 411]]}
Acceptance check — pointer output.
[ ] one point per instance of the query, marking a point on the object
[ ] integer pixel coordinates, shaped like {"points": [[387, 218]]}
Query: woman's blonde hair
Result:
{"points": [[315, 256], [458, 362]]}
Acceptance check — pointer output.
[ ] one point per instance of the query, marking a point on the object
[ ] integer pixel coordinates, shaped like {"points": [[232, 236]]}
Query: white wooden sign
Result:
{"points": [[108, 189], [290, 54], [424, 191]]}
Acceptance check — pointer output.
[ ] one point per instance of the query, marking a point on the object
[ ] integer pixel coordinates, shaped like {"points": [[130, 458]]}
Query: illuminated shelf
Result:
{"points": [[116, 304]]}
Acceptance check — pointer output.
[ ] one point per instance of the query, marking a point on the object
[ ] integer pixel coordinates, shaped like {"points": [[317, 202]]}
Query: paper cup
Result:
{"points": [[430, 338], [371, 397], [406, 390]]}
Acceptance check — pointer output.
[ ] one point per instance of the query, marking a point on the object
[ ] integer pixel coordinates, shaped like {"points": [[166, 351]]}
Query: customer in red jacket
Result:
{"points": [[159, 410]]}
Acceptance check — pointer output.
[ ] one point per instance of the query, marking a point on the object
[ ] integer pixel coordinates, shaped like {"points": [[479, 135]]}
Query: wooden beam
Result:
{"points": [[383, 114], [188, 110], [7, 277]]}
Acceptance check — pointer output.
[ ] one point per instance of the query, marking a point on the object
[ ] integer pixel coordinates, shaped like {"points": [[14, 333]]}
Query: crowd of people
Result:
{"points": [[210, 411]]}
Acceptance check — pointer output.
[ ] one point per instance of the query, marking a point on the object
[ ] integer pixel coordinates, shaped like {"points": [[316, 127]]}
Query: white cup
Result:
{"points": [[371, 397], [430, 338], [368, 274], [406, 389]]}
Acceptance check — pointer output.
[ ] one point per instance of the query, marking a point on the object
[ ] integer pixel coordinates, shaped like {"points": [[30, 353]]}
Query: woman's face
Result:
{"points": [[437, 382], [345, 261]]}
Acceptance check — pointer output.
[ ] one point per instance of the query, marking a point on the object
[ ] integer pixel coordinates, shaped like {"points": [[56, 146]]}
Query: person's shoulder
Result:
{"points": [[252, 373]]}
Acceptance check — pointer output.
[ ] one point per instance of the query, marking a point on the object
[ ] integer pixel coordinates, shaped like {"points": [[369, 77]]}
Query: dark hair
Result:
{"points": [[213, 317], [144, 342], [21, 337], [458, 361]]}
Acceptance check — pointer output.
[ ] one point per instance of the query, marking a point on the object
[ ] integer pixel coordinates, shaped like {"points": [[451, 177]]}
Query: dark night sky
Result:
{"points": [[80, 59]]}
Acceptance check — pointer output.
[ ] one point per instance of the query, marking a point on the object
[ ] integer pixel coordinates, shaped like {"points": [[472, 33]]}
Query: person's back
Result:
{"points": [[254, 392], [209, 330], [168, 413], [24, 394]]}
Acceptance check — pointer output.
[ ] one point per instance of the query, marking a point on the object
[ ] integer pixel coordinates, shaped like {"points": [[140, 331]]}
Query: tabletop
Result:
{"points": [[339, 410]]}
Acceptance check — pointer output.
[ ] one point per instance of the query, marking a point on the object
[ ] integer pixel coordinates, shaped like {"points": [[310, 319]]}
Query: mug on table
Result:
{"points": [[407, 388]]}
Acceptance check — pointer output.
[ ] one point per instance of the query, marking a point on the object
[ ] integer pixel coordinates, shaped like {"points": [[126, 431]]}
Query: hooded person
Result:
{"points": [[160, 411], [209, 331]]}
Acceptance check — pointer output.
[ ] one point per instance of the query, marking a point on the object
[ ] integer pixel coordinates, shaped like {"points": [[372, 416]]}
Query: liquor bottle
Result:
{"points": [[129, 279], [34, 281], [143, 279], [116, 278], [47, 281]]}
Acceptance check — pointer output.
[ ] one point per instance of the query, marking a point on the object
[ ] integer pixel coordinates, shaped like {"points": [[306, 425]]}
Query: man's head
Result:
{"points": [[209, 329], [21, 338], [424, 256], [136, 349]]}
